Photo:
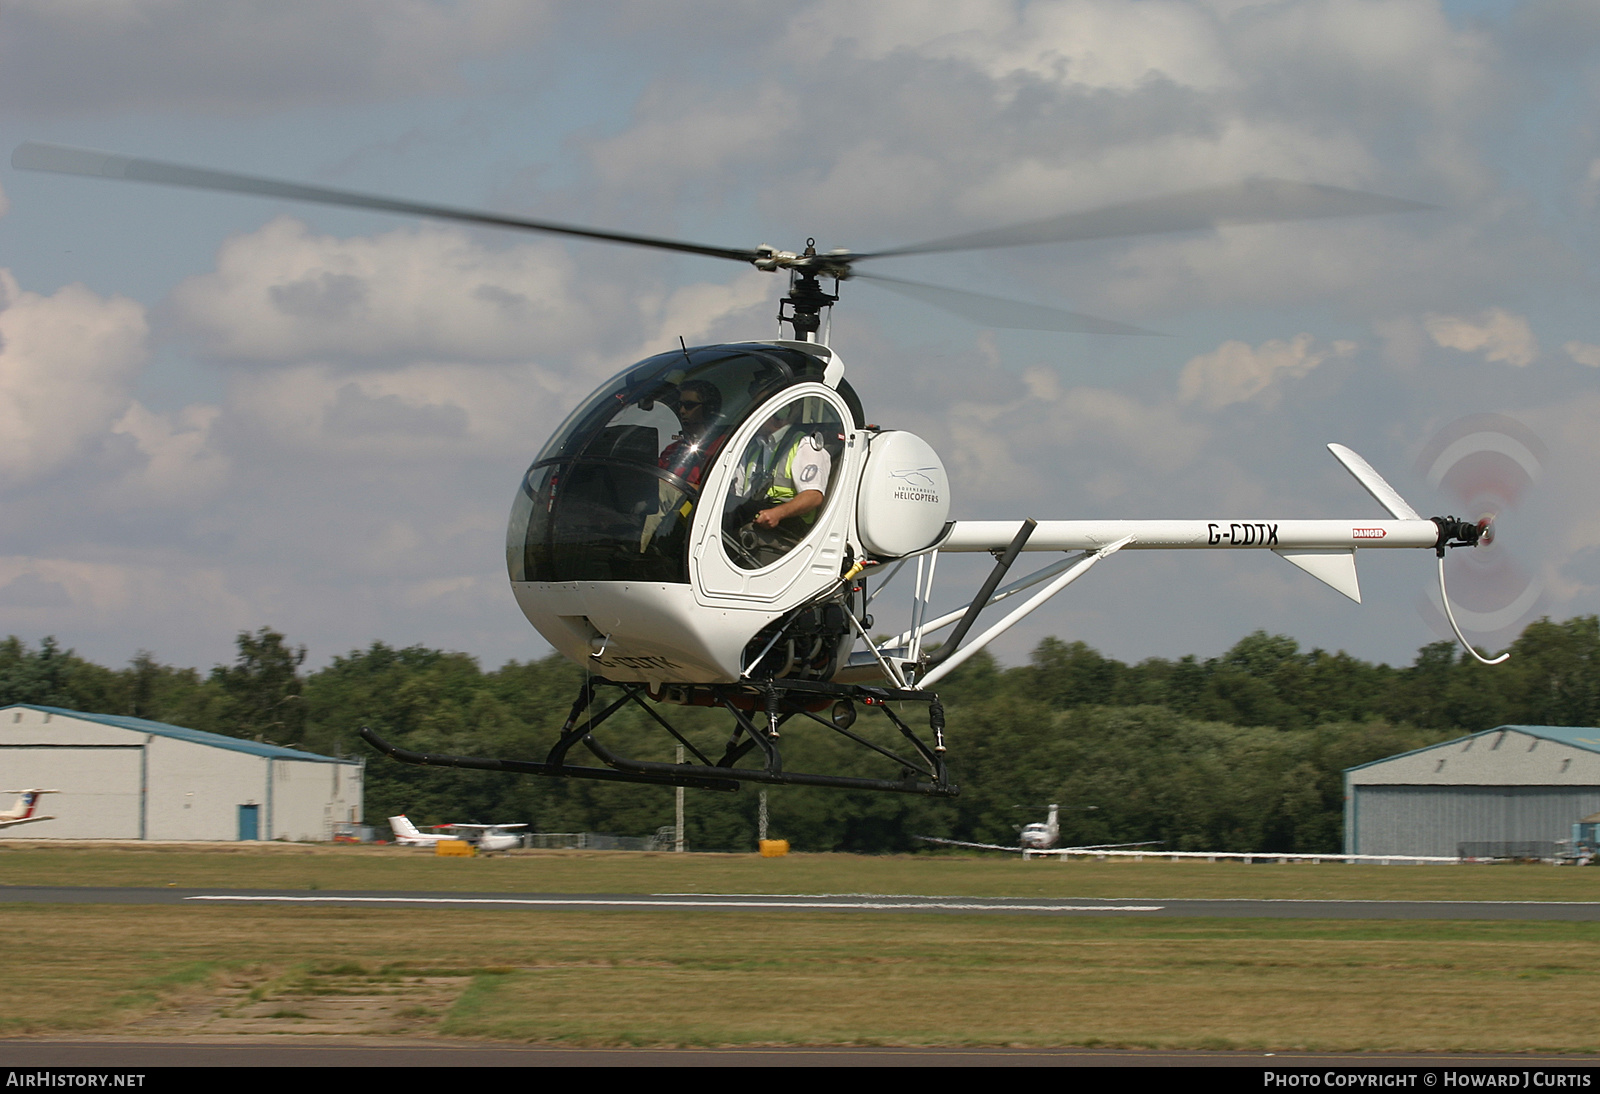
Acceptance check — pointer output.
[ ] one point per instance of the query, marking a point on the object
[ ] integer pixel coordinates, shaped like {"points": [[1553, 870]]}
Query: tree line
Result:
{"points": [[1240, 752]]}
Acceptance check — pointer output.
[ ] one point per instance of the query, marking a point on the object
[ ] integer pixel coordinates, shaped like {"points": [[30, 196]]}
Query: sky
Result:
{"points": [[219, 413]]}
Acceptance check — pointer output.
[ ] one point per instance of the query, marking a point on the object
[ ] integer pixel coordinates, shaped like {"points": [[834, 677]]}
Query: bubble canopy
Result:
{"points": [[611, 496]]}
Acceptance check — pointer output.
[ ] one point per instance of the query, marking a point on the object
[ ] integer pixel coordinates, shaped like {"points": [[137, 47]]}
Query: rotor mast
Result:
{"points": [[802, 307]]}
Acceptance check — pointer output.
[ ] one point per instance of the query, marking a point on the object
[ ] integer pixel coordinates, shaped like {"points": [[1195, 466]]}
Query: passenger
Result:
{"points": [[699, 404]]}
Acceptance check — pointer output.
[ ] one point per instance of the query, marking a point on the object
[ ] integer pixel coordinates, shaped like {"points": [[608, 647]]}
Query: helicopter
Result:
{"points": [[714, 525]]}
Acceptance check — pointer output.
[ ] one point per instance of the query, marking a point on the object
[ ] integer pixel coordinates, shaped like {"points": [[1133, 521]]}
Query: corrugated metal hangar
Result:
{"points": [[129, 778], [1511, 784]]}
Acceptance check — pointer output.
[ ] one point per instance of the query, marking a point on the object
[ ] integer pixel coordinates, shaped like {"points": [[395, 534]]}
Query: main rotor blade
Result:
{"points": [[1255, 201], [34, 156], [995, 311]]}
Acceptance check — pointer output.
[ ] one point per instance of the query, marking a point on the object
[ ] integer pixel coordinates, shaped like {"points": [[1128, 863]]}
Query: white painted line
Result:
{"points": [[1183, 899], [1368, 900], [635, 903]]}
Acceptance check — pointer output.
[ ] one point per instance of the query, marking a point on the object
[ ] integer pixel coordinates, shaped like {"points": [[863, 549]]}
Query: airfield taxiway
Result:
{"points": [[846, 903]]}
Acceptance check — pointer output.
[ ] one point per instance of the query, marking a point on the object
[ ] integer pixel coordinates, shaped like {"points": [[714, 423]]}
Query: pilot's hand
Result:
{"points": [[767, 518]]}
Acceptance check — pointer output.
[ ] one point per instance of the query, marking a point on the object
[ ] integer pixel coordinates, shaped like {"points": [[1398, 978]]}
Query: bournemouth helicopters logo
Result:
{"points": [[916, 484]]}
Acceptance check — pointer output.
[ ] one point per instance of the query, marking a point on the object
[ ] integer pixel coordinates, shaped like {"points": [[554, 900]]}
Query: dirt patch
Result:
{"points": [[341, 1000]]}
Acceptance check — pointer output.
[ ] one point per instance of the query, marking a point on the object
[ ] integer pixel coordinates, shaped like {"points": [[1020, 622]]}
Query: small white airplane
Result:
{"points": [[489, 837], [486, 837], [1042, 837], [23, 811], [1037, 838], [406, 834]]}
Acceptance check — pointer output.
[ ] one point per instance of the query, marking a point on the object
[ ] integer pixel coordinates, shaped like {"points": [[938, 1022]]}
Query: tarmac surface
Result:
{"points": [[856, 903]]}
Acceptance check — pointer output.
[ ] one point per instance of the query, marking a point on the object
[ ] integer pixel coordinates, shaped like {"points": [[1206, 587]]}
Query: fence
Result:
{"points": [[595, 841], [1246, 856], [1528, 850]]}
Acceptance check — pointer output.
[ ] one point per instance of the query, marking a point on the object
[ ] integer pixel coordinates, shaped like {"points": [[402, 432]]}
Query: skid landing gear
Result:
{"points": [[759, 711]]}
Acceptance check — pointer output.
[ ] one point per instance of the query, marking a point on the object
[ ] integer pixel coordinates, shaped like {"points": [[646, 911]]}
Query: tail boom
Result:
{"points": [[1219, 534]]}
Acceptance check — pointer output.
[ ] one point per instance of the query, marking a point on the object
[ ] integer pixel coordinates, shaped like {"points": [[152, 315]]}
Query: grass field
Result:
{"points": [[668, 977], [739, 978], [309, 866]]}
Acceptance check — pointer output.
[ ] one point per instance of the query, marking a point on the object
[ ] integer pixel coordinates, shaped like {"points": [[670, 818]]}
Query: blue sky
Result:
{"points": [[183, 456]]}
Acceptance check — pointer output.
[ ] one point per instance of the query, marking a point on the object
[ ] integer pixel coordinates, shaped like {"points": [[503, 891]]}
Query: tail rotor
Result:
{"points": [[1489, 464]]}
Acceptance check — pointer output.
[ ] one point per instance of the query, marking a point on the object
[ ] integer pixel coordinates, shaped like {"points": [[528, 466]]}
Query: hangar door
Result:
{"points": [[1435, 820], [99, 784]]}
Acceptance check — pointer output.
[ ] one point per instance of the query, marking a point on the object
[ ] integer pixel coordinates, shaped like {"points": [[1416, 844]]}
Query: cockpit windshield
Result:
{"points": [[610, 497]]}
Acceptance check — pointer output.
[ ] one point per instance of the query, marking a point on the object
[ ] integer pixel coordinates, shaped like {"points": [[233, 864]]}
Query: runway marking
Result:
{"points": [[1369, 900], [1194, 899], [948, 906]]}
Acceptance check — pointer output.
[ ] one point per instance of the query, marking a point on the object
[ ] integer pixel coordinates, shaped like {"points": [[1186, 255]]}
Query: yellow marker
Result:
{"points": [[774, 848], [459, 848]]}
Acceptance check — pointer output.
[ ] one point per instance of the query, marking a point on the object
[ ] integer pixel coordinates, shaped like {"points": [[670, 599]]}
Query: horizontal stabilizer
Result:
{"points": [[1335, 567], [1374, 484]]}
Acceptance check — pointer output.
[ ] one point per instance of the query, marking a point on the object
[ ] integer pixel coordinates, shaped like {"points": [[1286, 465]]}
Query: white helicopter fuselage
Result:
{"points": [[699, 629], [703, 617]]}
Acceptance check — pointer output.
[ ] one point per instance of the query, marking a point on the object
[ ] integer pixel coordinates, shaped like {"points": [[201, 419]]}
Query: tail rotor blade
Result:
{"points": [[1488, 464]]}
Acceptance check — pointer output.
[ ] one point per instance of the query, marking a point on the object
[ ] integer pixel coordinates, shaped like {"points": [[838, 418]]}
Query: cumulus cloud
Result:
{"points": [[67, 365], [61, 593], [700, 311], [1497, 334], [236, 56], [1585, 353], [978, 113], [1236, 372], [680, 126], [178, 460], [1007, 442], [1090, 43], [285, 294]]}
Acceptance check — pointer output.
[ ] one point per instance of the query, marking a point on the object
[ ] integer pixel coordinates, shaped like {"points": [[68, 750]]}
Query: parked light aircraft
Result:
{"points": [[407, 835], [489, 837], [23, 811], [486, 837], [713, 526], [1038, 837]]}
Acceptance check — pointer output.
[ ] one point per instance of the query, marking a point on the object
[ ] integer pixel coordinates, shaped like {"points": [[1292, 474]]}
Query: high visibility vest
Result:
{"points": [[782, 487]]}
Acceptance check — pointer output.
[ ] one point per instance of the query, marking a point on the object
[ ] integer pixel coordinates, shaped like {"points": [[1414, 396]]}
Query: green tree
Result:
{"points": [[261, 690]]}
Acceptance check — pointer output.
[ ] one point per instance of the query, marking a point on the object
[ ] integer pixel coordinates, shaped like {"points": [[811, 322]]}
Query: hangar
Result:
{"points": [[1507, 785], [130, 778]]}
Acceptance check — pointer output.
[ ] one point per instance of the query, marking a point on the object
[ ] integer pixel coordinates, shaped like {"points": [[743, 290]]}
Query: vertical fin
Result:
{"points": [[1374, 484], [1333, 566]]}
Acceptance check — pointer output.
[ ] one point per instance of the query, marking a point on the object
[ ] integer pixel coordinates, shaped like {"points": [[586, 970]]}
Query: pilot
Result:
{"points": [[784, 481]]}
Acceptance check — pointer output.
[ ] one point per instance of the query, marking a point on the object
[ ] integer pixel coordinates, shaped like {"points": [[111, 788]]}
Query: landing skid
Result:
{"points": [[759, 712]]}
